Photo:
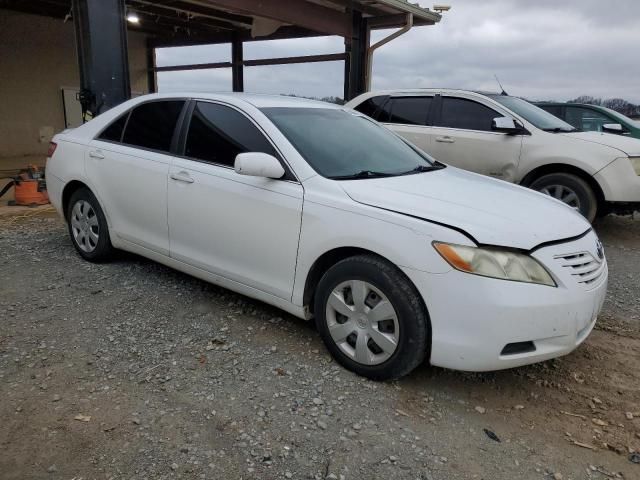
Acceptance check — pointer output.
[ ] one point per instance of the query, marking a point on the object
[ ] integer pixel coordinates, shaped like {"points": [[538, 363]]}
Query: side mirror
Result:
{"points": [[506, 125], [612, 128], [258, 164]]}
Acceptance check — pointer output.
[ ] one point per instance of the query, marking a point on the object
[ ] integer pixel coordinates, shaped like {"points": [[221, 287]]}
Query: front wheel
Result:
{"points": [[371, 318], [570, 189]]}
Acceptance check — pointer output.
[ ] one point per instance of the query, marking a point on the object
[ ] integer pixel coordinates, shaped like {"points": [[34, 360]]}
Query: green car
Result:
{"points": [[593, 118]]}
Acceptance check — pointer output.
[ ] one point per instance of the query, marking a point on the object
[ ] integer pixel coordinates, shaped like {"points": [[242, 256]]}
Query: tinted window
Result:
{"points": [[466, 114], [370, 106], [410, 110], [218, 133], [151, 125], [113, 133], [587, 119], [552, 109]]}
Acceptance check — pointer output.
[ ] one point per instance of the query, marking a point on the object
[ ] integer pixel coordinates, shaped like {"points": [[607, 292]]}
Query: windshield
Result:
{"points": [[534, 115], [339, 144], [618, 116]]}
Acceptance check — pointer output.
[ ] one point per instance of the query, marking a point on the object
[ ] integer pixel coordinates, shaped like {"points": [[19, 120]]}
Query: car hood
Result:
{"points": [[491, 211], [627, 145]]}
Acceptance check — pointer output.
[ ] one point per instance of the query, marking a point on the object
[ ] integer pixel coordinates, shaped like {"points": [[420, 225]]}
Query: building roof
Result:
{"points": [[183, 22]]}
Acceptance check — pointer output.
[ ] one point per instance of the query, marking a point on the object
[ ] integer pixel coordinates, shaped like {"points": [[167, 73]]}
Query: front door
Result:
{"points": [[462, 136], [243, 228]]}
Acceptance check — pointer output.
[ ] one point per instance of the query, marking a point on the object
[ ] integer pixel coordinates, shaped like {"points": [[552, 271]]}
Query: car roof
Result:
{"points": [[573, 104], [255, 99], [419, 91]]}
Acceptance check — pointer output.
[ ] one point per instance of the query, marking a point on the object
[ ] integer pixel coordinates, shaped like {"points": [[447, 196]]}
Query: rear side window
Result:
{"points": [[218, 133], [151, 125], [409, 110], [466, 114], [113, 133], [371, 105]]}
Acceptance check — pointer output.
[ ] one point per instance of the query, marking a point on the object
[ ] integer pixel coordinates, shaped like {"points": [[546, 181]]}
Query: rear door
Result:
{"points": [[128, 164], [243, 228], [463, 137], [409, 117]]}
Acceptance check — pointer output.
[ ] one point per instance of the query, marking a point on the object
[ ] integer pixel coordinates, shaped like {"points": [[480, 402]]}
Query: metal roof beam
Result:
{"points": [[304, 14]]}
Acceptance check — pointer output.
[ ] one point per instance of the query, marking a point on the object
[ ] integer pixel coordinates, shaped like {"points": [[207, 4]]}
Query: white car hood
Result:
{"points": [[491, 211], [627, 145]]}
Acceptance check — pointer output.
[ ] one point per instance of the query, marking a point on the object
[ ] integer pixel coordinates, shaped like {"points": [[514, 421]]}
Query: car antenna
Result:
{"points": [[503, 92]]}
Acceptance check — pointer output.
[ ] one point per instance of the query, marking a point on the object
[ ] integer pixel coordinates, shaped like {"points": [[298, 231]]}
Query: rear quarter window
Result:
{"points": [[113, 133]]}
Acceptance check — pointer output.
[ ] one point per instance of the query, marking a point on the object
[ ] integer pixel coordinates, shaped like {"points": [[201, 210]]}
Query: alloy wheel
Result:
{"points": [[362, 322], [564, 194]]}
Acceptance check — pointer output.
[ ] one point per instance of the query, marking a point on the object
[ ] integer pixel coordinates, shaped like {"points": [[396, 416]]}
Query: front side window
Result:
{"points": [[218, 133], [151, 125], [340, 144], [466, 114], [587, 119], [409, 110], [113, 133]]}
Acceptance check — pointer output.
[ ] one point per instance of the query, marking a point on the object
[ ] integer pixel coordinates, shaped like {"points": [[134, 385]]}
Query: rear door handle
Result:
{"points": [[182, 177], [96, 154], [445, 139]]}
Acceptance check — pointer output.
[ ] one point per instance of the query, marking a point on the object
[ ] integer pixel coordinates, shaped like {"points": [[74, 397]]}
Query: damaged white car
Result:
{"points": [[511, 139]]}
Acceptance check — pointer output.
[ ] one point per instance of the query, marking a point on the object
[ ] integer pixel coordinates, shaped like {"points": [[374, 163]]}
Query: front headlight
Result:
{"points": [[494, 263], [635, 163]]}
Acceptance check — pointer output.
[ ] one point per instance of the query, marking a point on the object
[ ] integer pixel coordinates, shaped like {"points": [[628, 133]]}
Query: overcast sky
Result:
{"points": [[543, 49]]}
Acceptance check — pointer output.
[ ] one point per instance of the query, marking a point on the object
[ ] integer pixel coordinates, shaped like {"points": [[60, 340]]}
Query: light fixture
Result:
{"points": [[132, 17], [441, 8]]}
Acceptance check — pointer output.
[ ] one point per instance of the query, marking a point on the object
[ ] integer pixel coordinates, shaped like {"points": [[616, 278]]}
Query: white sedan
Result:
{"points": [[324, 213]]}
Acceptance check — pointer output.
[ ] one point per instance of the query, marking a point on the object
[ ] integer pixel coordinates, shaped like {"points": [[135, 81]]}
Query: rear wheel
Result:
{"points": [[88, 226], [570, 189], [371, 318]]}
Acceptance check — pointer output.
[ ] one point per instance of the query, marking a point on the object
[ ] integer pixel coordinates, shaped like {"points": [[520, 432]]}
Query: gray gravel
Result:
{"points": [[132, 370]]}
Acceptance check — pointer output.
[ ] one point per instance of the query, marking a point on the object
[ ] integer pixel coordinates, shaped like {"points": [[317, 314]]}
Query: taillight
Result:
{"points": [[52, 149]]}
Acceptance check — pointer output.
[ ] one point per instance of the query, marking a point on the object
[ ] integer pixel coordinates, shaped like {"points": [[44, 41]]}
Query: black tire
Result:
{"points": [[102, 249], [414, 341], [587, 200]]}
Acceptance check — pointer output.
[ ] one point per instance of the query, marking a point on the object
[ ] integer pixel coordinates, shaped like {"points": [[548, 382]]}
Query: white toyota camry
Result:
{"points": [[322, 212]]}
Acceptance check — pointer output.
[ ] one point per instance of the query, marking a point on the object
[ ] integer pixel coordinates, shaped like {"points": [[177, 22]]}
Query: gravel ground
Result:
{"points": [[132, 370]]}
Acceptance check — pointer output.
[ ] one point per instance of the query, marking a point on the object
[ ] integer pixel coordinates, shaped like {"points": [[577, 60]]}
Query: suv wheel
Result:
{"points": [[88, 226], [570, 189], [371, 318]]}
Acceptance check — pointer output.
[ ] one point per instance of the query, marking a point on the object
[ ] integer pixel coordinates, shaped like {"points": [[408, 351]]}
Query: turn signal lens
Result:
{"points": [[494, 263], [635, 163]]}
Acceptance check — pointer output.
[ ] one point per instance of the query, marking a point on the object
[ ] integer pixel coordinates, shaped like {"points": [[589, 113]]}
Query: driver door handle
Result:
{"points": [[96, 154], [445, 139], [181, 177]]}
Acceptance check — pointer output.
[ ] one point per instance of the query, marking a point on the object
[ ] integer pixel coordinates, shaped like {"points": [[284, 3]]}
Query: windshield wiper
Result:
{"points": [[363, 174], [424, 168]]}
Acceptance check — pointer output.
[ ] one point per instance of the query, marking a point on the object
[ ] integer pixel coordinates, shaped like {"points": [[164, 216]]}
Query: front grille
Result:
{"points": [[583, 267]]}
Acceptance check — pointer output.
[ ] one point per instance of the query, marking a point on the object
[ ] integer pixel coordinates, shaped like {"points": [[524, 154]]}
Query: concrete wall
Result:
{"points": [[37, 58]]}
